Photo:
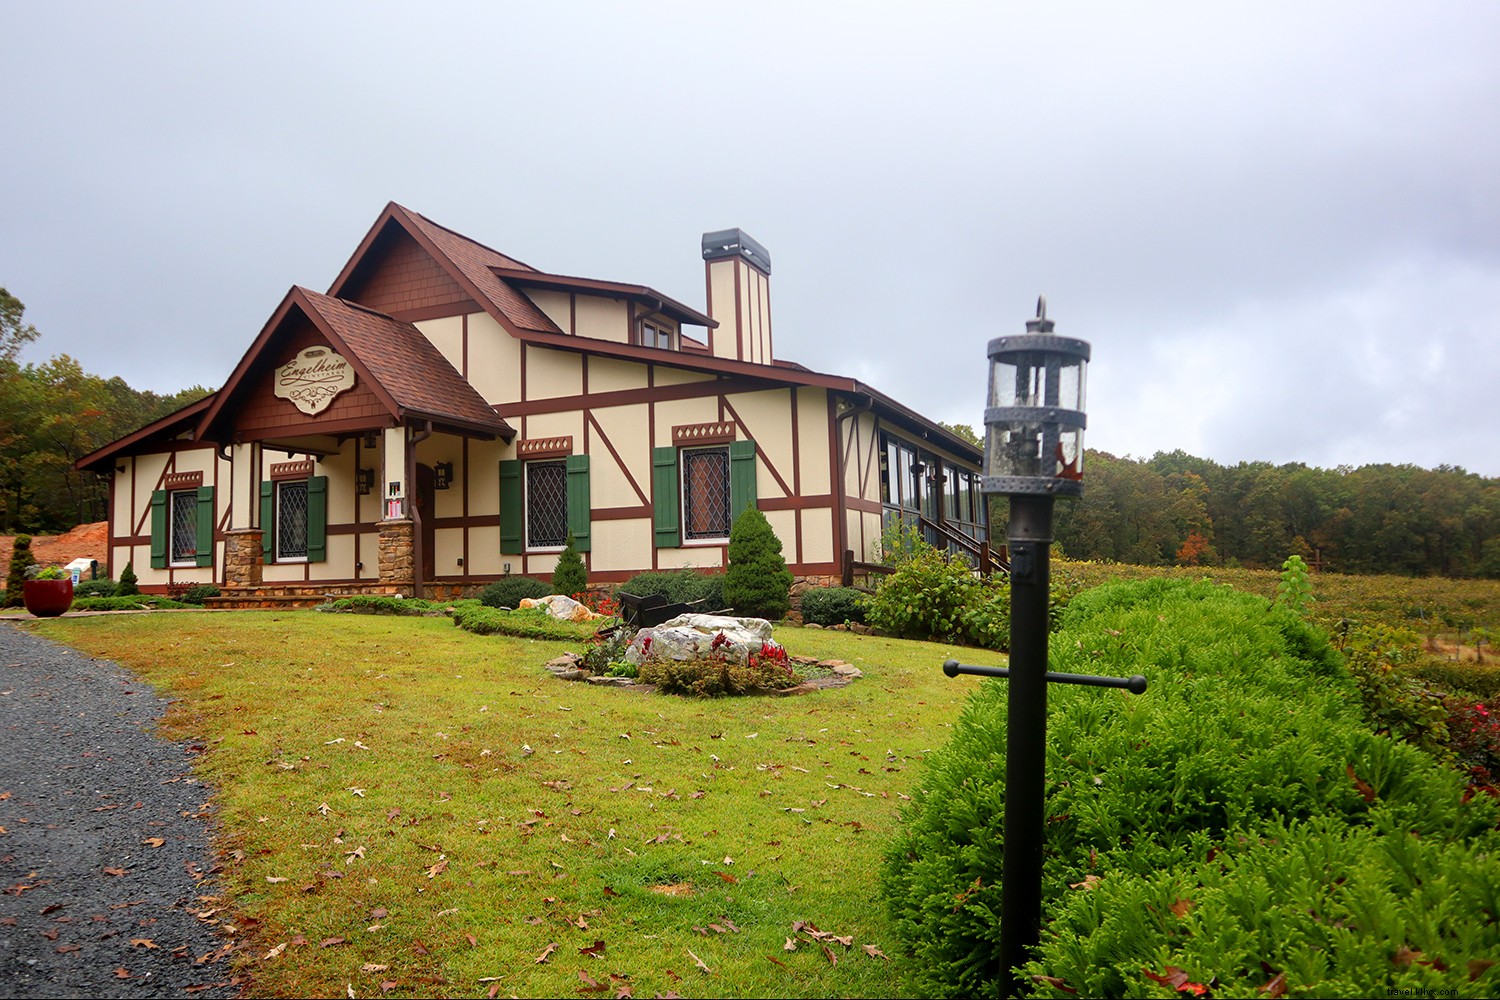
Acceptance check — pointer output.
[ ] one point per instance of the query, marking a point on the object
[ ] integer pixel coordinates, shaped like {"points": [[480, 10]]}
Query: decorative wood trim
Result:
{"points": [[291, 470], [652, 393], [719, 432], [549, 447], [182, 481], [821, 502], [621, 513]]}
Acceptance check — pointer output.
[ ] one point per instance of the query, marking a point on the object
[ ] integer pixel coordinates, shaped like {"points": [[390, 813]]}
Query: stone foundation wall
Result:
{"points": [[397, 566], [243, 557]]}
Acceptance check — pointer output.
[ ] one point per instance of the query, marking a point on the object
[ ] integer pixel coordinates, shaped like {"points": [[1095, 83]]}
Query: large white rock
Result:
{"points": [[560, 606], [691, 637]]}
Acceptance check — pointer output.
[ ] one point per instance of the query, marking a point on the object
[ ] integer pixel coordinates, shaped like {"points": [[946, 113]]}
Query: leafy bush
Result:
{"points": [[606, 650], [21, 560], [118, 603], [127, 585], [833, 605], [757, 582], [569, 577], [924, 598], [94, 588], [48, 573], [1474, 739], [683, 586], [509, 592], [196, 594], [718, 675], [1214, 815], [483, 620], [1395, 703], [1295, 589]]}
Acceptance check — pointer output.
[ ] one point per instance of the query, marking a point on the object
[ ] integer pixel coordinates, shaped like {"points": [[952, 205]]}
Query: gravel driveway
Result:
{"points": [[104, 858]]}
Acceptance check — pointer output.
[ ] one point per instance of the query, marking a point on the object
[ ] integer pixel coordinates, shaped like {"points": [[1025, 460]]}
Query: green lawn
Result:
{"points": [[405, 807]]}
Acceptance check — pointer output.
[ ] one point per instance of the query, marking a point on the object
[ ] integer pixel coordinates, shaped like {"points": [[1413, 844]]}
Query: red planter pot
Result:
{"points": [[48, 598]]}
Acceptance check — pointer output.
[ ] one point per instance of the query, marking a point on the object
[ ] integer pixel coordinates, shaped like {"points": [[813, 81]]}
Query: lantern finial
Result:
{"points": [[1041, 324]]}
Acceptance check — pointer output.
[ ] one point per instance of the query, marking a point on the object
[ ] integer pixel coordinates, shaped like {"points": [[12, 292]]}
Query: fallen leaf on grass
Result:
{"points": [[596, 949], [777, 961], [546, 954], [373, 967], [435, 870], [874, 952], [832, 958], [275, 951], [420, 948], [112, 871], [728, 878], [699, 962], [330, 942], [590, 984], [791, 945], [273, 879]]}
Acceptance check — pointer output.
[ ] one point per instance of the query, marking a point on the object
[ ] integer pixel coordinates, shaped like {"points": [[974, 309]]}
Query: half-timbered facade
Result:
{"points": [[446, 415]]}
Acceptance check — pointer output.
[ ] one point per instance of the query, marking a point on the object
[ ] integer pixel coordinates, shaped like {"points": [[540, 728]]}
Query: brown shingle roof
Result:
{"points": [[399, 358], [474, 261]]}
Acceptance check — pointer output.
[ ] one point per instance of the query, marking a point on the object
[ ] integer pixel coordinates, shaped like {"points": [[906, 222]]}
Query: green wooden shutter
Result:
{"points": [[666, 505], [159, 538], [205, 526], [511, 507], [267, 522], [317, 518], [741, 477], [579, 503]]}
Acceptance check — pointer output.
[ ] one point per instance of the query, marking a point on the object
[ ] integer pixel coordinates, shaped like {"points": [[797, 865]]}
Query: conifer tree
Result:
{"points": [[20, 559], [757, 581], [570, 577], [127, 585]]}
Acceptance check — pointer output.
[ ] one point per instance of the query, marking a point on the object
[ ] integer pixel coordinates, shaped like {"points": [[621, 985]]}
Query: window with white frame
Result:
{"points": [[705, 493], [291, 520], [656, 335], [546, 504], [184, 530]]}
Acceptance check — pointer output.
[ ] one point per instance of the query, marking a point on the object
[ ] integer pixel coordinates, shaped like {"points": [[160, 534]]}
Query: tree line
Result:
{"points": [[51, 415], [1177, 509]]}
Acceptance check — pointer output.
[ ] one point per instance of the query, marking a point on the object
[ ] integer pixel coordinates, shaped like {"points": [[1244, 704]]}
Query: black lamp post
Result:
{"points": [[1033, 452]]}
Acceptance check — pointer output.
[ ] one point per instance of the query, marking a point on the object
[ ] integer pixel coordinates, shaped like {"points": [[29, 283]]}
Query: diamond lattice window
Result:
{"points": [[705, 493], [291, 520], [184, 526], [546, 504]]}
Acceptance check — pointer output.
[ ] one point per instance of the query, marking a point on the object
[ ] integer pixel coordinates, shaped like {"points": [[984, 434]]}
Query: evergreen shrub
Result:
{"points": [[757, 582], [21, 560], [570, 577], [127, 585], [1239, 821], [833, 605], [510, 591], [94, 588]]}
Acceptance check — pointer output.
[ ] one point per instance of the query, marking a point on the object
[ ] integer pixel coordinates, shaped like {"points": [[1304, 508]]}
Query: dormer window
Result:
{"points": [[654, 334]]}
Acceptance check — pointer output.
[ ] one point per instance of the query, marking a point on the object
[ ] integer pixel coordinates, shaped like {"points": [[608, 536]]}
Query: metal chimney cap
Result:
{"points": [[736, 243]]}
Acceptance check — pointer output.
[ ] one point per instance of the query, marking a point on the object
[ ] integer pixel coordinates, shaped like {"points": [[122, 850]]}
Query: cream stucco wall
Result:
{"points": [[627, 429], [494, 360], [447, 335], [553, 373], [610, 375], [602, 318], [675, 412], [621, 545], [557, 306]]}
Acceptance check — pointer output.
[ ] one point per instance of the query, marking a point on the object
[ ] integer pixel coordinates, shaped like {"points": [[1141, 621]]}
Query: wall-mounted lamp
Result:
{"points": [[370, 439], [444, 474], [366, 480]]}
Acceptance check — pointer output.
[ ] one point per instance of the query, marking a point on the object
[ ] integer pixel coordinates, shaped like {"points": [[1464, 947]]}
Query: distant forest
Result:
{"points": [[1175, 509], [51, 415]]}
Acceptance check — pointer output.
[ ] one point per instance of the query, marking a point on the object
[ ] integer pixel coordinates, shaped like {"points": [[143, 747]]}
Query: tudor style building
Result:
{"points": [[445, 415]]}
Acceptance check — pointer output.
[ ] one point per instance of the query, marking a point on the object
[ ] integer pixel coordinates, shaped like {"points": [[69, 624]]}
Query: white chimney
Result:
{"points": [[738, 273]]}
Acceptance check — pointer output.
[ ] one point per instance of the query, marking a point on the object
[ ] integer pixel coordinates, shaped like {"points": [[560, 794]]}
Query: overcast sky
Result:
{"points": [[1278, 224]]}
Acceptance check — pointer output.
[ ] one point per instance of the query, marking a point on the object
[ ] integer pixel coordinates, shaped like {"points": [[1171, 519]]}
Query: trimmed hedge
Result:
{"points": [[379, 604], [833, 605], [528, 624], [1236, 818], [136, 603], [94, 588]]}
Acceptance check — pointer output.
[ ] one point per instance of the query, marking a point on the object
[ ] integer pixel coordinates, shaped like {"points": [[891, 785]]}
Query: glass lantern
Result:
{"points": [[1035, 421]]}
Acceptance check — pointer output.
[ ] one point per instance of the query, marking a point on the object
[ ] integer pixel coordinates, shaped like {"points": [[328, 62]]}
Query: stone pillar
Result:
{"points": [[397, 567], [242, 557]]}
